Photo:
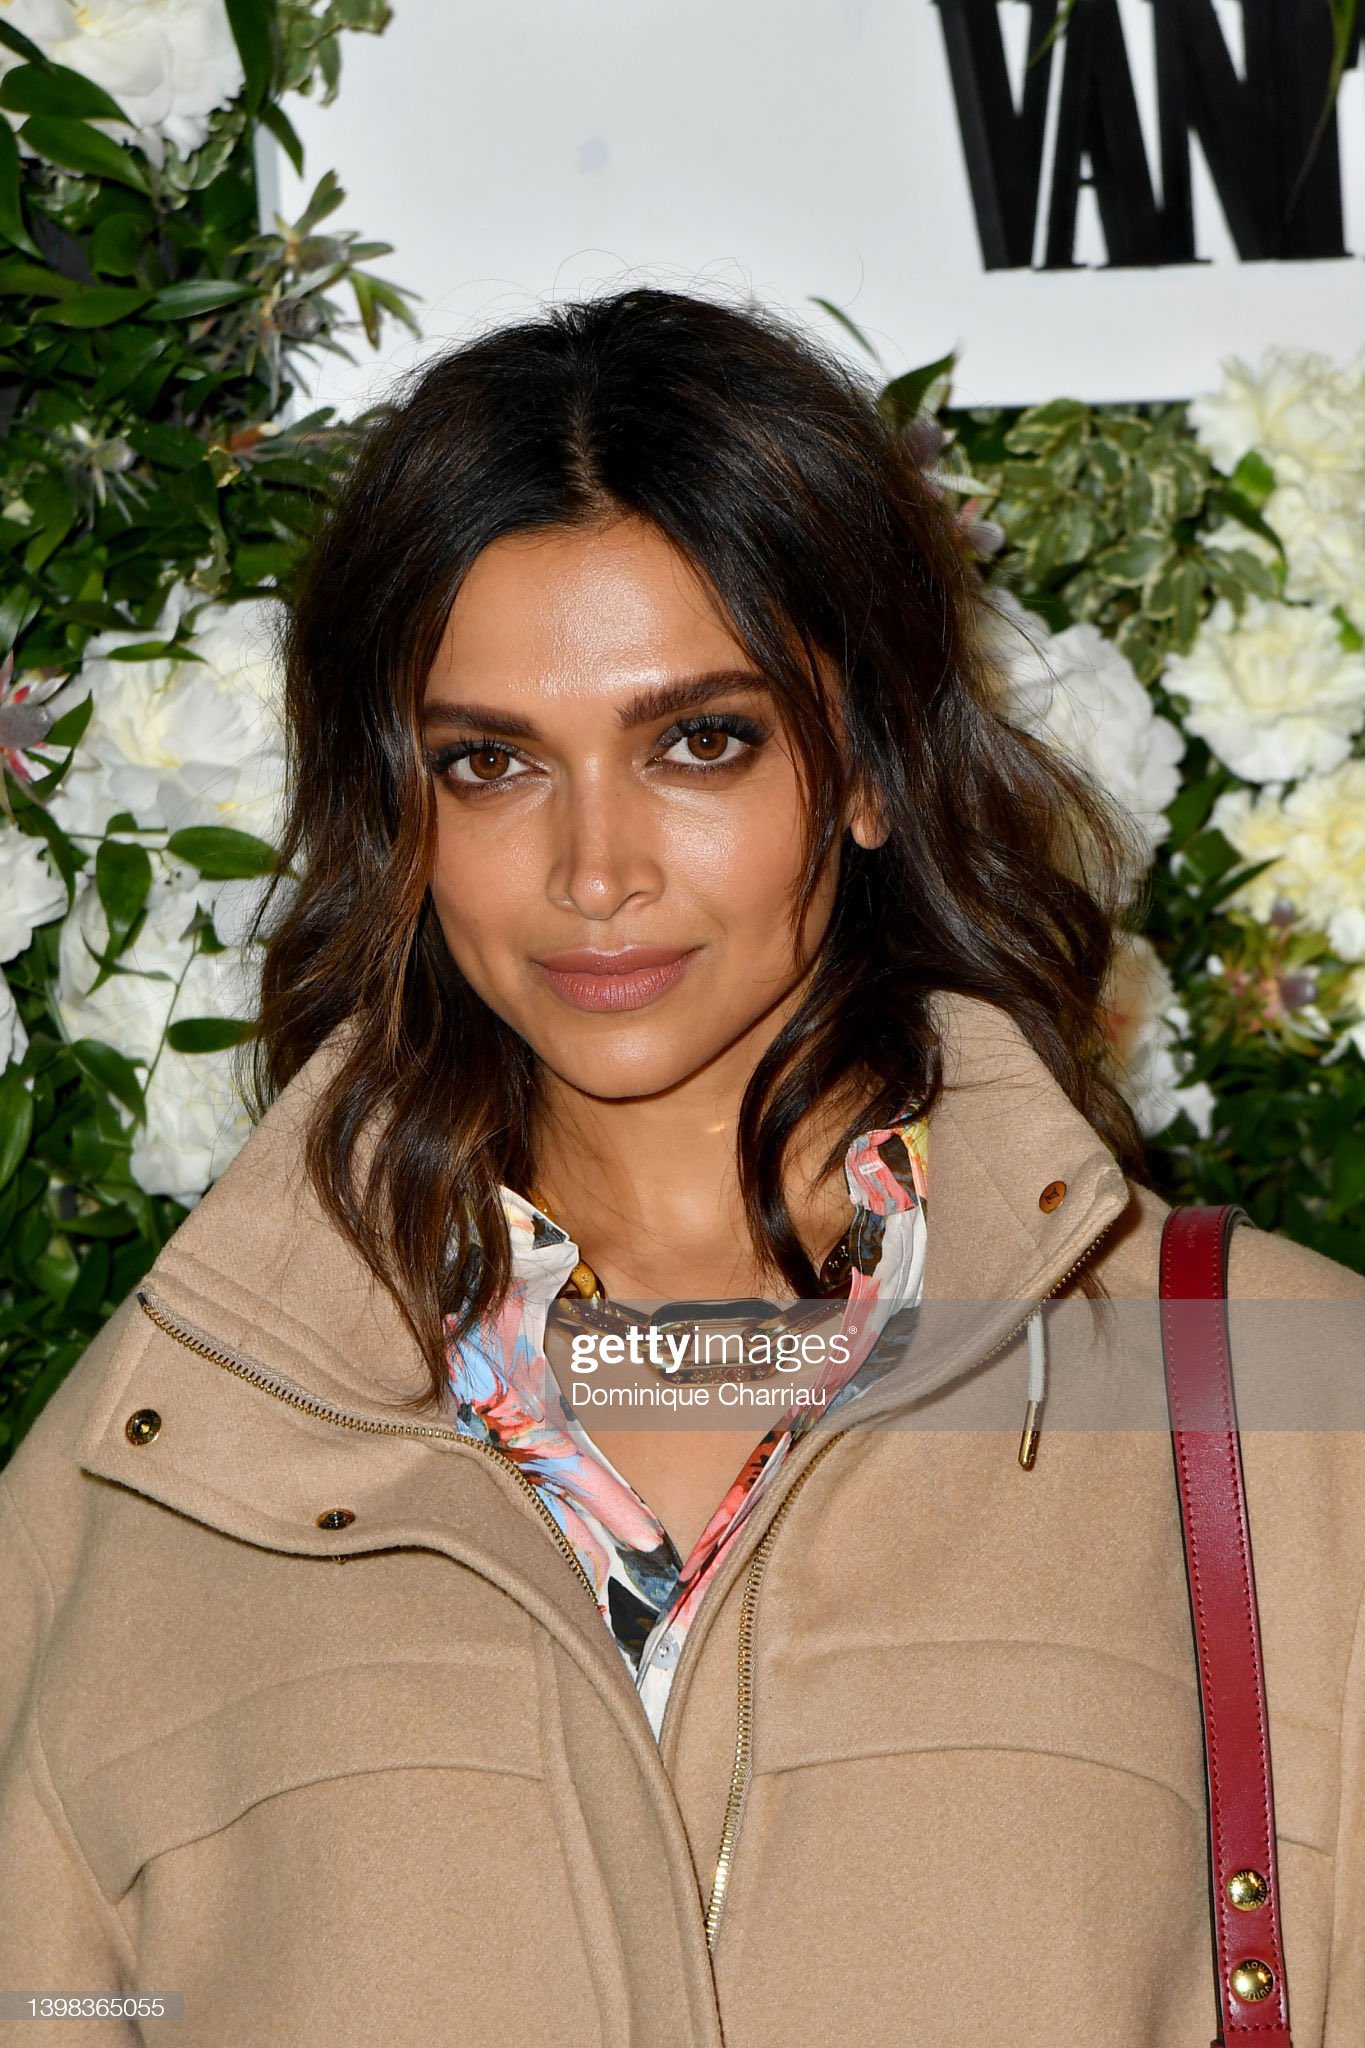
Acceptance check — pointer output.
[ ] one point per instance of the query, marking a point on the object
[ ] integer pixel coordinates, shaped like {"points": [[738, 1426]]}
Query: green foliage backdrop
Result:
{"points": [[147, 331]]}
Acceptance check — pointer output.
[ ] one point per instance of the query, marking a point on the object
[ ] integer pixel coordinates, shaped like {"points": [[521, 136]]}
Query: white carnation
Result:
{"points": [[1300, 410], [1316, 838], [1275, 693], [181, 742], [1305, 415], [13, 1037], [1143, 1021], [1078, 691], [31, 893], [168, 63], [1322, 526]]}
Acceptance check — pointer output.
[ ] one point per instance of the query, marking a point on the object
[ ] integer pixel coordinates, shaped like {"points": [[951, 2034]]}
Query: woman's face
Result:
{"points": [[619, 815]]}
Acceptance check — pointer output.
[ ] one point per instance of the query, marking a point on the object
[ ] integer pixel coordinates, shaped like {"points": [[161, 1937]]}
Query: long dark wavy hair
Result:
{"points": [[768, 465]]}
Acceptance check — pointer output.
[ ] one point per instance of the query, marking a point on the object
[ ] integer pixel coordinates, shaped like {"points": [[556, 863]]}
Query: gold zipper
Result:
{"points": [[370, 1425], [744, 1722], [744, 1719]]}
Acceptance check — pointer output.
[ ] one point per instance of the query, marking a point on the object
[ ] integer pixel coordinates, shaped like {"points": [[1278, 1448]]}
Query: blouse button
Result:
{"points": [[667, 1651]]}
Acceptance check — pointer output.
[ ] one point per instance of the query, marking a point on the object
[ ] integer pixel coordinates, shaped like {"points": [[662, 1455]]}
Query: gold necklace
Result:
{"points": [[584, 1304]]}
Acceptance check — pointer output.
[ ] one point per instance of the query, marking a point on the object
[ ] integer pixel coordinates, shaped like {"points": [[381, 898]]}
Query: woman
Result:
{"points": [[679, 929]]}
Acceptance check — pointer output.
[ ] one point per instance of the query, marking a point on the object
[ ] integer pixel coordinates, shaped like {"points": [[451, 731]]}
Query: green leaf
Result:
{"points": [[841, 318], [32, 278], [199, 295], [67, 729], [1188, 586], [168, 447], [221, 853], [904, 397], [328, 195], [1352, 639], [95, 305], [80, 148], [1042, 427], [151, 650], [1254, 478], [123, 876], [114, 1220], [1132, 560], [1188, 811], [112, 1070], [14, 40], [16, 1122], [11, 209], [277, 122], [207, 1034], [119, 244], [253, 31], [52, 89]]}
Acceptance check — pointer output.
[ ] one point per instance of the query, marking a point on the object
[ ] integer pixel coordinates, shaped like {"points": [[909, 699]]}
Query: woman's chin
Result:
{"points": [[624, 1063]]}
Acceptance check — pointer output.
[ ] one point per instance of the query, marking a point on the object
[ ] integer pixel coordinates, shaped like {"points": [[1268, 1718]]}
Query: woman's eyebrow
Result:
{"points": [[643, 707]]}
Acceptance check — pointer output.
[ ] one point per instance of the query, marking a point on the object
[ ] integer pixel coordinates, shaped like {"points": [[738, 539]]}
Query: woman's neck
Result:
{"points": [[649, 1187]]}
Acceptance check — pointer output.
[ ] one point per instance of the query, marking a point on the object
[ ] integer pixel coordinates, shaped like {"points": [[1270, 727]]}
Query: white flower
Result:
{"points": [[1316, 838], [181, 742], [168, 63], [1257, 828], [196, 1124], [1301, 411], [30, 892], [1322, 525], [1077, 690], [1274, 693], [195, 1119], [1143, 1021], [1306, 417], [132, 1006], [13, 1037]]}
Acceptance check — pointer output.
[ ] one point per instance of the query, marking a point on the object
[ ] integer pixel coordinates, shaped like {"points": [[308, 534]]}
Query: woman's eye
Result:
{"points": [[485, 763], [710, 746]]}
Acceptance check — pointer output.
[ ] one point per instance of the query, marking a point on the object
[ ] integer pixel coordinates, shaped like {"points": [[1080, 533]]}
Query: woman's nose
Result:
{"points": [[604, 852]]}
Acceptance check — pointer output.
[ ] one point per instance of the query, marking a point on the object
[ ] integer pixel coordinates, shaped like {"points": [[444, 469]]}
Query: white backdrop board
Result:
{"points": [[514, 150]]}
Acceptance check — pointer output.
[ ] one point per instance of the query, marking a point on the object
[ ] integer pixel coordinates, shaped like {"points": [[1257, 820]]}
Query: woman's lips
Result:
{"points": [[615, 981]]}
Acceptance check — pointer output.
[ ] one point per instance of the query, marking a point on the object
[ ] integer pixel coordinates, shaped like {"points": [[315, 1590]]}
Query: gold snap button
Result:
{"points": [[336, 1518], [1252, 1981], [143, 1427], [1247, 1890], [1052, 1195]]}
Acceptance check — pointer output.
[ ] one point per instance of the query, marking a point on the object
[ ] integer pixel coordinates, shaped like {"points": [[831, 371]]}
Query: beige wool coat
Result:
{"points": [[305, 1715]]}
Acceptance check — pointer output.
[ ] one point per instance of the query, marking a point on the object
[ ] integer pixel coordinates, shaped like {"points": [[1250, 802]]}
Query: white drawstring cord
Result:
{"points": [[1037, 1388]]}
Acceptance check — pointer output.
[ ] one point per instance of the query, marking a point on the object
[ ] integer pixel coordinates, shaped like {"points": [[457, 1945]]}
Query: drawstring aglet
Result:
{"points": [[1037, 1385]]}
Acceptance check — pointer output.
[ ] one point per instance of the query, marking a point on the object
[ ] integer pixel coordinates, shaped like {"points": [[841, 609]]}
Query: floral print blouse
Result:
{"points": [[506, 1391]]}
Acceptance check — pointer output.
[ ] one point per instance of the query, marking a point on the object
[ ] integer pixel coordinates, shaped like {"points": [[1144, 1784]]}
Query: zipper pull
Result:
{"points": [[1037, 1386]]}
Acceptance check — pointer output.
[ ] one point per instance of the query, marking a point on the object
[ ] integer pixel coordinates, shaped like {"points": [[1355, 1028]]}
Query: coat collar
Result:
{"points": [[260, 1265]]}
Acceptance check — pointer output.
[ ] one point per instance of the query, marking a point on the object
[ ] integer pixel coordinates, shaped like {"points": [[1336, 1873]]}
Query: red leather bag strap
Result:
{"points": [[1253, 2002]]}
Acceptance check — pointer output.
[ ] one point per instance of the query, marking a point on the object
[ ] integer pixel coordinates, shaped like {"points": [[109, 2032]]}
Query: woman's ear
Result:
{"points": [[866, 823]]}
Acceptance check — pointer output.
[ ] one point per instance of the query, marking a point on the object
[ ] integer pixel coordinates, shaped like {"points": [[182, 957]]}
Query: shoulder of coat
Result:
{"points": [[1263, 1265]]}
